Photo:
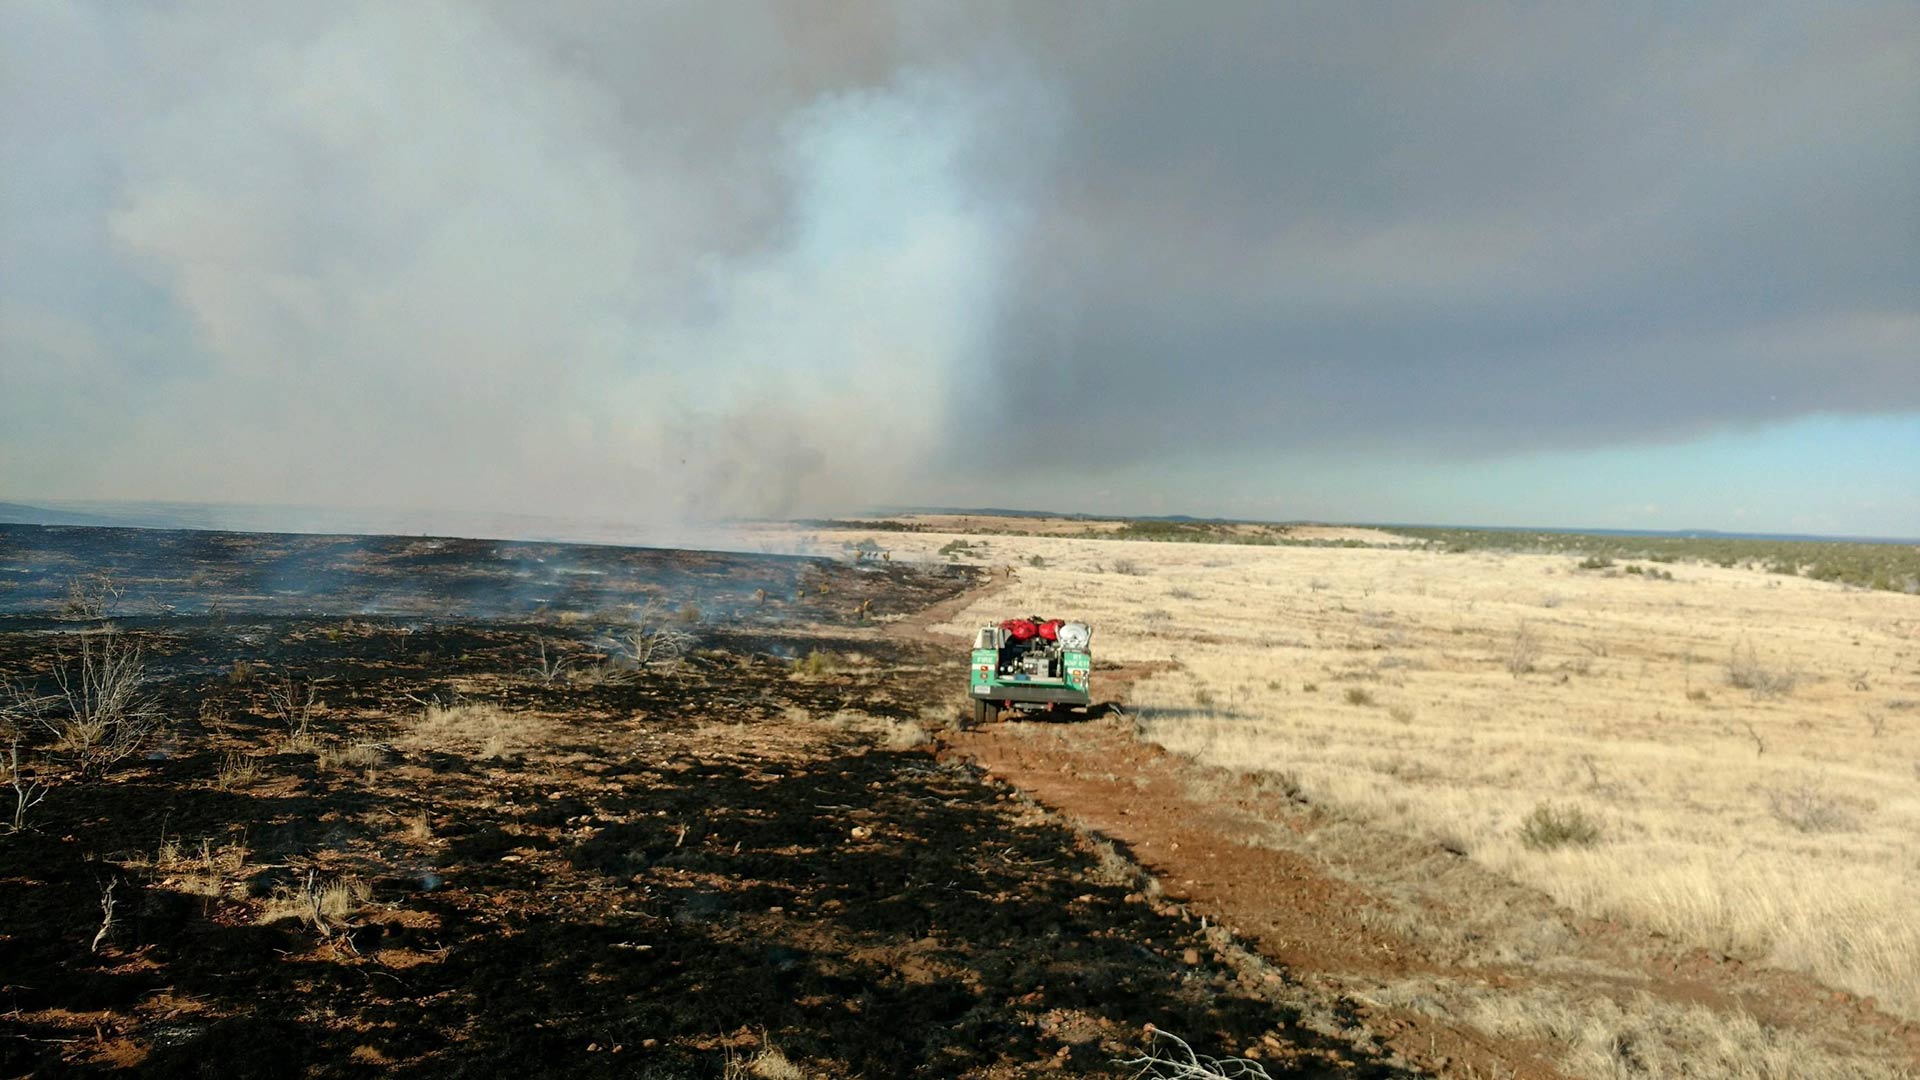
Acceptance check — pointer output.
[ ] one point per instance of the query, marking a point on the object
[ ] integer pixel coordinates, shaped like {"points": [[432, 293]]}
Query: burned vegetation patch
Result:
{"points": [[401, 829]]}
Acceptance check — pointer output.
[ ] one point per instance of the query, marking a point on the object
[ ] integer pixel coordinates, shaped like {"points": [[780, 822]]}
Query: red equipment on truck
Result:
{"points": [[1029, 664]]}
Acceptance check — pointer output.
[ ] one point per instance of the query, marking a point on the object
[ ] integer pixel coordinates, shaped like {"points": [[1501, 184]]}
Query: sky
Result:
{"points": [[1627, 266]]}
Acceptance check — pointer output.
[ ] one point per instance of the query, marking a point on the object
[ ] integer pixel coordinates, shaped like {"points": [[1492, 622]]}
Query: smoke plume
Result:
{"points": [[422, 255]]}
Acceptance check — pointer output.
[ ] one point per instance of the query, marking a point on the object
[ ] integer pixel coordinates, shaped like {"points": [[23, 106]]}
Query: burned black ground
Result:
{"points": [[678, 866]]}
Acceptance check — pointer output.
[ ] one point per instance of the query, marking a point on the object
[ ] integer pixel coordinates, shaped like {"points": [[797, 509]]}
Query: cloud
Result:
{"points": [[1476, 232], [685, 261]]}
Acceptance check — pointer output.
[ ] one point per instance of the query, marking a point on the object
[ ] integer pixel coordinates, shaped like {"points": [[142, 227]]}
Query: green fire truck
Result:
{"points": [[1030, 665]]}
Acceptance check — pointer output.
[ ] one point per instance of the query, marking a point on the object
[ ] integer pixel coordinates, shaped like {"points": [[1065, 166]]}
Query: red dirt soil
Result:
{"points": [[1191, 826]]}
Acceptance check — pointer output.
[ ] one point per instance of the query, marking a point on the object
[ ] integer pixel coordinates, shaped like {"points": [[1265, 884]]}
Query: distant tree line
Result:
{"points": [[1891, 567]]}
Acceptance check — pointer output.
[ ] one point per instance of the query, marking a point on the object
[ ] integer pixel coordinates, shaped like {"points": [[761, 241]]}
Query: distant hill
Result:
{"points": [[1557, 530], [22, 514]]}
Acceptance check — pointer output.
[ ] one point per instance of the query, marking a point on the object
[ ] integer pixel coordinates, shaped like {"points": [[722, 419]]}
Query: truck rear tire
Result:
{"points": [[984, 712]]}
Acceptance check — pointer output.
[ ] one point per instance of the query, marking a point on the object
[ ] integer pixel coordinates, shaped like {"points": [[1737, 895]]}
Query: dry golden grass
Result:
{"points": [[201, 869], [417, 828], [888, 733], [1746, 745], [325, 905], [1647, 1037], [361, 755], [478, 729], [768, 1063], [904, 735], [237, 770]]}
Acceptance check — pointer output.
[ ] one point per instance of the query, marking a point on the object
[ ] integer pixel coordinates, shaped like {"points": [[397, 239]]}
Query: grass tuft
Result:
{"points": [[1746, 671], [1806, 807], [360, 755], [237, 770], [479, 729], [816, 663], [328, 905]]}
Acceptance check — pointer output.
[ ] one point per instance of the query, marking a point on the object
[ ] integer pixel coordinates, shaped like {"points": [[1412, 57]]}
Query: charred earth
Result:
{"points": [[448, 807]]}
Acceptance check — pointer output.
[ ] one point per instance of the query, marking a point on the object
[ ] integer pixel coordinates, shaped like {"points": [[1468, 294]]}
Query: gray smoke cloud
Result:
{"points": [[683, 261], [443, 256]]}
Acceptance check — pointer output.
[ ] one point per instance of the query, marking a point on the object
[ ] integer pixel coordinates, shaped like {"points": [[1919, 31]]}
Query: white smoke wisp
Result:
{"points": [[831, 364], [423, 263]]}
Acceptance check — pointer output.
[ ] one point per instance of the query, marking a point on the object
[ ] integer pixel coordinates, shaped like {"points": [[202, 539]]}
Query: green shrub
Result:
{"points": [[817, 662], [1550, 827]]}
